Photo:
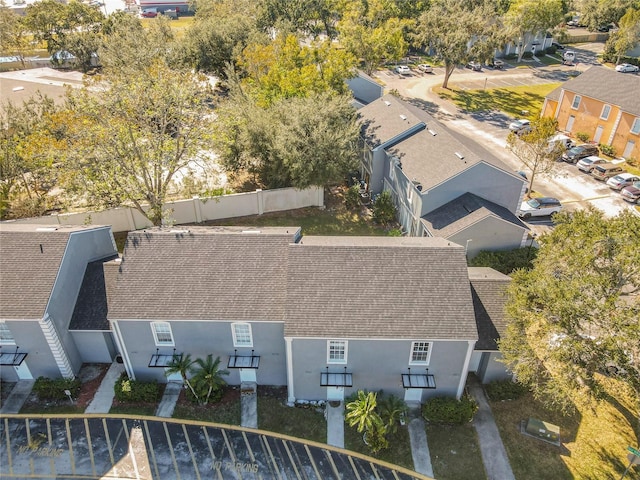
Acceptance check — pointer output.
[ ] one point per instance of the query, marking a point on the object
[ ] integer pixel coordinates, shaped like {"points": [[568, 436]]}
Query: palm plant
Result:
{"points": [[209, 376], [361, 413], [392, 409], [183, 365]]}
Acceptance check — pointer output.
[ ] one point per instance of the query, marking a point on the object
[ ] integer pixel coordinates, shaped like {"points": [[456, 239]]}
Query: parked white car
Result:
{"points": [[402, 70], [626, 68], [520, 126], [622, 180], [586, 164], [539, 207]]}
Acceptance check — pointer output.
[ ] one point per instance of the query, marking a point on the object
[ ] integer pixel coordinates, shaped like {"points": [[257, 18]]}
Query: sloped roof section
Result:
{"points": [[90, 312], [379, 287], [30, 258], [488, 288], [385, 119], [464, 211], [608, 86], [204, 273]]}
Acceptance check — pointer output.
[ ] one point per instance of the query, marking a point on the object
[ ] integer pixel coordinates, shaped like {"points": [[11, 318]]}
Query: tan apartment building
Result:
{"points": [[602, 103]]}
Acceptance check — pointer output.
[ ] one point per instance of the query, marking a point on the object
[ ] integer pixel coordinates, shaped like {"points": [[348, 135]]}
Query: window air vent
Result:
{"points": [[459, 155]]}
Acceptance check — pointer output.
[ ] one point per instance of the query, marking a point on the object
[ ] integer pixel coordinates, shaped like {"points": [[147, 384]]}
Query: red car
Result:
{"points": [[149, 14]]}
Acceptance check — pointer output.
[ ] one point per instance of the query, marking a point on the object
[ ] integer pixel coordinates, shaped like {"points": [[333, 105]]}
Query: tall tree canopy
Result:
{"points": [[594, 13], [299, 141], [125, 144], [458, 31], [627, 36], [527, 18], [66, 27], [576, 314]]}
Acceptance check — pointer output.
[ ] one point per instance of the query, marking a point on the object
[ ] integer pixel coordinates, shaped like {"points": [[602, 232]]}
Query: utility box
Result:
{"points": [[543, 430]]}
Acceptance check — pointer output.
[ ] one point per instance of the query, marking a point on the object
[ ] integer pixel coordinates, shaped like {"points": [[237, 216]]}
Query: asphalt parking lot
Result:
{"points": [[93, 447]]}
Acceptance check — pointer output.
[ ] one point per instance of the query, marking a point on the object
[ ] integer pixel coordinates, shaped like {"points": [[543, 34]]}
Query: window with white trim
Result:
{"points": [[337, 351], [162, 334], [6, 338], [606, 110], [242, 335], [420, 353], [576, 102], [635, 128]]}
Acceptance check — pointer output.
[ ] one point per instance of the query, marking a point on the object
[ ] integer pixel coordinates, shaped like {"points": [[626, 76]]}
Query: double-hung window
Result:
{"points": [[242, 335], [635, 128], [162, 334], [337, 351], [606, 110], [420, 353], [6, 338], [576, 102]]}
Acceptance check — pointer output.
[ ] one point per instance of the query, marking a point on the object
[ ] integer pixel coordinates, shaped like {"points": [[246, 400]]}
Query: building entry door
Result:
{"points": [[23, 371]]}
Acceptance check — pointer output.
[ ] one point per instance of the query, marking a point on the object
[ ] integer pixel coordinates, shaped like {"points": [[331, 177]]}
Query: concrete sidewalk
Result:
{"points": [[169, 399], [494, 455], [249, 405], [335, 424], [17, 397], [103, 397], [419, 445]]}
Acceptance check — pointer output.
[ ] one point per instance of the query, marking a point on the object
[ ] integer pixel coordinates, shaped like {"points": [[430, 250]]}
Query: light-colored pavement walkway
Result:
{"points": [[103, 397], [419, 445], [249, 405], [494, 455], [335, 425], [17, 397], [169, 399]]}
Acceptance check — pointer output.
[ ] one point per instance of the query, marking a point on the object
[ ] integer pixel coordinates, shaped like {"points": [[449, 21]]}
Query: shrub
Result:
{"points": [[53, 389], [583, 137], [511, 56], [505, 390], [607, 150], [134, 391], [506, 261], [384, 211], [448, 410], [527, 55], [352, 197], [550, 50]]}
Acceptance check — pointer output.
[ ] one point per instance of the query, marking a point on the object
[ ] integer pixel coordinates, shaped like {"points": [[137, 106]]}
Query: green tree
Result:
{"points": [[284, 69], [457, 31], [306, 17], [14, 35], [29, 136], [527, 18], [384, 210], [373, 32], [627, 36], [72, 27], [183, 365], [296, 142], [594, 13], [362, 414], [575, 314], [392, 409], [126, 144], [533, 149], [208, 377]]}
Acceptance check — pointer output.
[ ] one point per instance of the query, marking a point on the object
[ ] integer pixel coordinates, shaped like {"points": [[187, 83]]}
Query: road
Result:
{"points": [[574, 188]]}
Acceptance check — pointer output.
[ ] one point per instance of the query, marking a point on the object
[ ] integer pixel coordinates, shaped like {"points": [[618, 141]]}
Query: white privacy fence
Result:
{"points": [[194, 210]]}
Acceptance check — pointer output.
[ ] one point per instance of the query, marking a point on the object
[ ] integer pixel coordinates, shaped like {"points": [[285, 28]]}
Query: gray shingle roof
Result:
{"points": [[464, 211], [608, 86], [90, 312], [30, 257], [429, 155], [379, 287], [203, 273], [488, 290], [382, 121]]}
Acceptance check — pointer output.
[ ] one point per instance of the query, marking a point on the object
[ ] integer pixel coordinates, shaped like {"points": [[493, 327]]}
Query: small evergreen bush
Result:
{"points": [[527, 55], [53, 389], [448, 410], [384, 211], [134, 391], [352, 197], [506, 261], [607, 150], [551, 50], [505, 390], [583, 136]]}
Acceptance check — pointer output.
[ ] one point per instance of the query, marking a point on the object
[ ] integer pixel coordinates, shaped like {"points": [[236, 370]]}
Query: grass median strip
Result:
{"points": [[510, 100]]}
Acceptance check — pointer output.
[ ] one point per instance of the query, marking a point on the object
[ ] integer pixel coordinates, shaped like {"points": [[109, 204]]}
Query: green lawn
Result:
{"points": [[510, 100], [455, 452], [594, 439], [275, 416]]}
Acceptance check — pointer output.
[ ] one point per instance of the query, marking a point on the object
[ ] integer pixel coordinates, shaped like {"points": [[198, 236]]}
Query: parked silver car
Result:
{"points": [[587, 164]]}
